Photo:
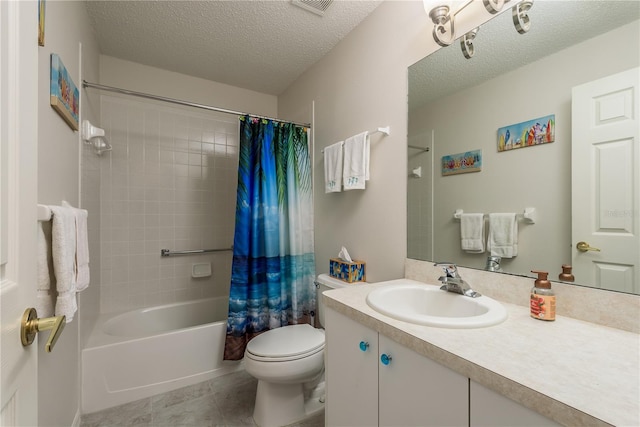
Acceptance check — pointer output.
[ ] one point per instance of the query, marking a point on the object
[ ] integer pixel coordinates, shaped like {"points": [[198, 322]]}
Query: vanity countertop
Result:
{"points": [[574, 372]]}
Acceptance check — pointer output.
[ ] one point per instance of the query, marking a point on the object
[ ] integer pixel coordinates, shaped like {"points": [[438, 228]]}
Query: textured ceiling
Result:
{"points": [[260, 45], [555, 25]]}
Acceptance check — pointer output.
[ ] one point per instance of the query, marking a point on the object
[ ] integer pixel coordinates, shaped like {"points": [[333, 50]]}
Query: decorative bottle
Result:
{"points": [[542, 300]]}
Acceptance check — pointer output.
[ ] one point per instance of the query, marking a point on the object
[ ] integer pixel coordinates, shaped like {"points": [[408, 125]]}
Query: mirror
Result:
{"points": [[457, 105]]}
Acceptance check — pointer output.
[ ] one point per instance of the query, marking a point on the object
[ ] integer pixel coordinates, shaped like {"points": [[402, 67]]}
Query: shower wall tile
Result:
{"points": [[169, 182]]}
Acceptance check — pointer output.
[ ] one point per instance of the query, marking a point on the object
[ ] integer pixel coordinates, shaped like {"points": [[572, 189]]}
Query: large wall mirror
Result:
{"points": [[457, 105]]}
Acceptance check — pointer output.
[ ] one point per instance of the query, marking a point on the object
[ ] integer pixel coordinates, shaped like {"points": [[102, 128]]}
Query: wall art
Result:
{"points": [[453, 164], [65, 98], [41, 10], [526, 134]]}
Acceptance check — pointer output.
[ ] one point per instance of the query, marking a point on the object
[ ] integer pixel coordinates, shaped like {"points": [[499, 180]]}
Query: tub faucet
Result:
{"points": [[452, 282]]}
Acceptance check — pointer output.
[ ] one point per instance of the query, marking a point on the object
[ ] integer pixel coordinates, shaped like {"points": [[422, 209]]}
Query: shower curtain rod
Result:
{"points": [[187, 103]]}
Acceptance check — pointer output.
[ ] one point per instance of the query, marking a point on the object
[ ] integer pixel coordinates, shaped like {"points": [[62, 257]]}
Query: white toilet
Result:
{"points": [[289, 365]]}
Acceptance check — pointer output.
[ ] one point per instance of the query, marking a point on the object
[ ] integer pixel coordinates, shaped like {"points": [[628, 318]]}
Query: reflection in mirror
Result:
{"points": [[457, 106]]}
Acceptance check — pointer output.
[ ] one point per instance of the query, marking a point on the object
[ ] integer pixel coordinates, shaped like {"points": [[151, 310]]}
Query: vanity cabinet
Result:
{"points": [[491, 409], [409, 390], [372, 380], [351, 372]]}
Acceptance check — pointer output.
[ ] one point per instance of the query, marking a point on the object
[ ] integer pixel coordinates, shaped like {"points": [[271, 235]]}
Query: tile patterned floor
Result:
{"points": [[224, 401]]}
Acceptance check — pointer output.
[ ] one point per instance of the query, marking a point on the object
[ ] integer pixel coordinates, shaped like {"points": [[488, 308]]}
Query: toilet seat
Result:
{"points": [[287, 343]]}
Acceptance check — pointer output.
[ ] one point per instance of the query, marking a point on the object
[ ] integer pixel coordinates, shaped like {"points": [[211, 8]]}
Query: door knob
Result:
{"points": [[584, 247], [31, 325]]}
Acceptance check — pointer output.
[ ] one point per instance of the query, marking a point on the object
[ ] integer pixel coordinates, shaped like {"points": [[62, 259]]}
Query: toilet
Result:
{"points": [[288, 363]]}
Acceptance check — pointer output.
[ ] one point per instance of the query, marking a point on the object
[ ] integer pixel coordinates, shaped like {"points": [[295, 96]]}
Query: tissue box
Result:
{"points": [[350, 272]]}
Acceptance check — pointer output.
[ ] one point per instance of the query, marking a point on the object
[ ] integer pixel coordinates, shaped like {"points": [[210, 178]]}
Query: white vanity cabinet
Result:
{"points": [[351, 372], [411, 390], [491, 409]]}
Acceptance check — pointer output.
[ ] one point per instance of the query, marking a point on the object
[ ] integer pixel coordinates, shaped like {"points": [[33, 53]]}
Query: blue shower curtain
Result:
{"points": [[273, 262]]}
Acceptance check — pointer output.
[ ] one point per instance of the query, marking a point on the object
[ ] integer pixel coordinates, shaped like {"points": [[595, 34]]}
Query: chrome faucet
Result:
{"points": [[452, 282]]}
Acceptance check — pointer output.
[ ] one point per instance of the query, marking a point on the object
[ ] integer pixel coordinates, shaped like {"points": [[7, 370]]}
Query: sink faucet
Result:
{"points": [[452, 282]]}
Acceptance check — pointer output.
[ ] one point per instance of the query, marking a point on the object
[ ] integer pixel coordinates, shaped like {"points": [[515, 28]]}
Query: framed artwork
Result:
{"points": [[41, 10], [454, 164], [526, 134], [65, 98]]}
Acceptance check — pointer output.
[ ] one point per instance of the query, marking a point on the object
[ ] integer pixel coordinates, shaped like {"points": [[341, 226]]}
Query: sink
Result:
{"points": [[424, 304]]}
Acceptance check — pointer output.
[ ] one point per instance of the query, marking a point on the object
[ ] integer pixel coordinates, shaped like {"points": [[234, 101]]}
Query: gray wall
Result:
{"points": [[361, 85], [59, 154]]}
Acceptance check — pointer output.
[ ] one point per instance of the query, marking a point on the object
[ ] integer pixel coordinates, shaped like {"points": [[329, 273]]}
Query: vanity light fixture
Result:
{"points": [[520, 17], [92, 135], [443, 17], [466, 43]]}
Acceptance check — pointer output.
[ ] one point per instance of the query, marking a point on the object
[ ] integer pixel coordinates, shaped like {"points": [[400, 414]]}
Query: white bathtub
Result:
{"points": [[149, 351]]}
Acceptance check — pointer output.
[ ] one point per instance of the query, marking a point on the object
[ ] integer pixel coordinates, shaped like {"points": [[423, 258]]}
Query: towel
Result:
{"points": [[472, 232], [63, 249], [503, 235], [44, 297], [356, 161], [333, 168], [82, 273]]}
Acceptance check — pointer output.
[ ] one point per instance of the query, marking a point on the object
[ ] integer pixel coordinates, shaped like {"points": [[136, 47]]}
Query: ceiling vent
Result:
{"points": [[316, 6]]}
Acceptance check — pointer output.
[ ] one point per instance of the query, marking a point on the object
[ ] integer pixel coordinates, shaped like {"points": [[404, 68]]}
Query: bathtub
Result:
{"points": [[144, 352]]}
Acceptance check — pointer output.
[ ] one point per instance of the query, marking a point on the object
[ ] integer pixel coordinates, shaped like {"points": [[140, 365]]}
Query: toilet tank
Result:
{"points": [[324, 282]]}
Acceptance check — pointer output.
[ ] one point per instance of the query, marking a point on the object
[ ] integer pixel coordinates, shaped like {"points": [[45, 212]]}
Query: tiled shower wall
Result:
{"points": [[170, 182]]}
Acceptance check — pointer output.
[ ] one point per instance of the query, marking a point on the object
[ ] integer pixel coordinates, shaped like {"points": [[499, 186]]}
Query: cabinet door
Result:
{"points": [[351, 372], [416, 391], [491, 409]]}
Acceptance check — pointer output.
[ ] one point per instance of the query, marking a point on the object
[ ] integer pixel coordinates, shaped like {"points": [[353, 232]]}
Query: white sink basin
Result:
{"points": [[424, 304]]}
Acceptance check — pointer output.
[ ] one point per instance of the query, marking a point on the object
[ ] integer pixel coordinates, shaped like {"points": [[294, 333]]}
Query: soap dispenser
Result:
{"points": [[542, 300], [566, 275]]}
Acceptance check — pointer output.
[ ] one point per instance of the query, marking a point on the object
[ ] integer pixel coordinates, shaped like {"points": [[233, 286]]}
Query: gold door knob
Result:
{"points": [[584, 247], [31, 325]]}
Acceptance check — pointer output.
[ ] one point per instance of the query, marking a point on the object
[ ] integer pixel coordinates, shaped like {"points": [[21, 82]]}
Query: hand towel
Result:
{"points": [[333, 168], [63, 249], [503, 235], [82, 273], [356, 161], [44, 298], [472, 232]]}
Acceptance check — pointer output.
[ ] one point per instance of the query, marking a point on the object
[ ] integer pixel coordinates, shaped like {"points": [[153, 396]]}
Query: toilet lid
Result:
{"points": [[287, 341]]}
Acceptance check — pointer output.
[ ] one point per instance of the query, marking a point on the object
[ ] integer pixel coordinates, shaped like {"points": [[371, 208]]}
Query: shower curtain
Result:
{"points": [[273, 262]]}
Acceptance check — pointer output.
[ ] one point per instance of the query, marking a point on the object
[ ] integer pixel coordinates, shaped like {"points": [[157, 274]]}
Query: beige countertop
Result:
{"points": [[574, 372]]}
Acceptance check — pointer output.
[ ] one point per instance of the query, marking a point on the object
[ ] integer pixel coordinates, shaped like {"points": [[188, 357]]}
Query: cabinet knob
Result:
{"points": [[385, 359], [364, 346]]}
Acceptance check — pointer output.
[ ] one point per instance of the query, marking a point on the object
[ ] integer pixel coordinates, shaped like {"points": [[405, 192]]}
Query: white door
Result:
{"points": [[18, 201], [606, 182]]}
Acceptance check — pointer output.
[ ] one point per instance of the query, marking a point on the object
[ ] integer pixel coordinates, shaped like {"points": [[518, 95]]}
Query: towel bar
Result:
{"points": [[385, 130], [529, 215], [44, 213], [168, 252]]}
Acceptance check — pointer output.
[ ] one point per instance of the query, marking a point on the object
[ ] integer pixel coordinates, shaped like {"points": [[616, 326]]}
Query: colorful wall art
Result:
{"points": [[526, 134], [454, 164], [65, 98]]}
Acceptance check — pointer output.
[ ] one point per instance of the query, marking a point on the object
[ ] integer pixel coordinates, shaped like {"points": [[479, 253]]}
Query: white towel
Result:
{"points": [[63, 249], [82, 248], [472, 232], [356, 161], [503, 235], [333, 168], [44, 296]]}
